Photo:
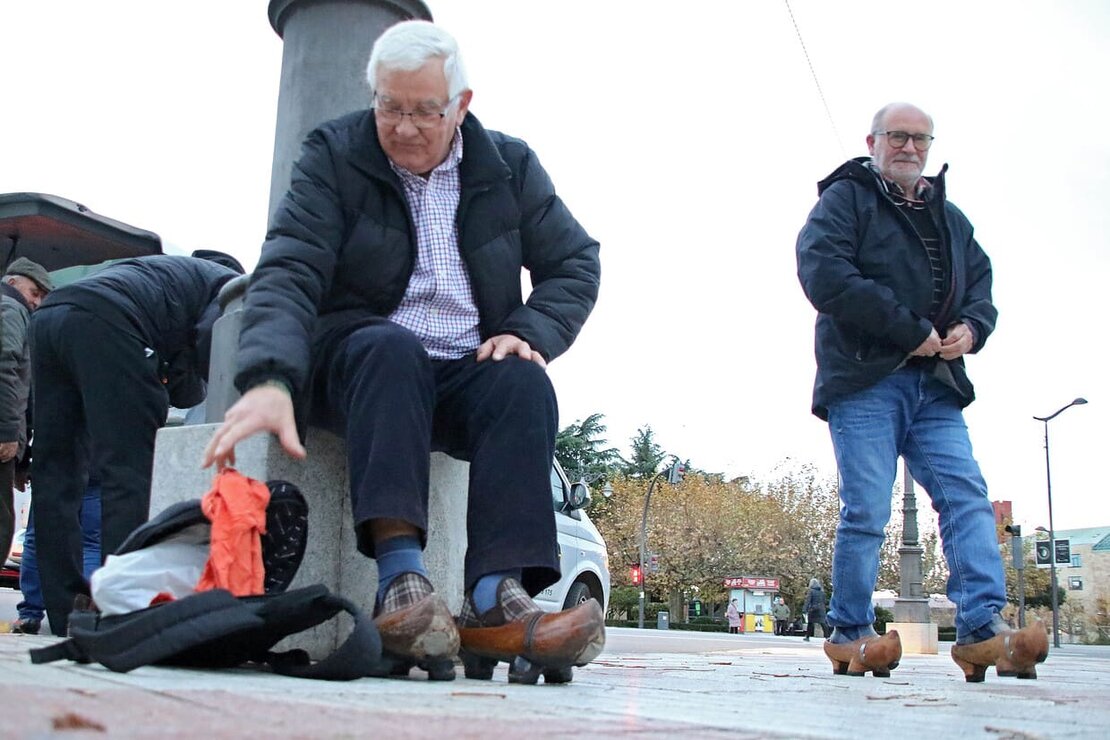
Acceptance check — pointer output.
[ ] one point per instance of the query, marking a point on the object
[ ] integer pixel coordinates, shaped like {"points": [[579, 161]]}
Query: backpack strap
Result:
{"points": [[358, 656]]}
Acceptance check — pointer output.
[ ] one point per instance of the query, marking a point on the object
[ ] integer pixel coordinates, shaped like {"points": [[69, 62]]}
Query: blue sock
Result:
{"points": [[395, 556], [484, 594]]}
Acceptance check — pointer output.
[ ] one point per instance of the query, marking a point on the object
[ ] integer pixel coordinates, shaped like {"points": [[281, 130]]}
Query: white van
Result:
{"points": [[583, 558]]}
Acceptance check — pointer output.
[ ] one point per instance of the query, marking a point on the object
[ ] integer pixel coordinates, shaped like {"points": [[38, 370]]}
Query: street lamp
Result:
{"points": [[643, 540], [674, 475], [1051, 528]]}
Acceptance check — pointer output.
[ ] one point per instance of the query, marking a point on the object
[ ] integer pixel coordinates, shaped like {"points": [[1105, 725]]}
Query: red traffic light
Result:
{"points": [[635, 574]]}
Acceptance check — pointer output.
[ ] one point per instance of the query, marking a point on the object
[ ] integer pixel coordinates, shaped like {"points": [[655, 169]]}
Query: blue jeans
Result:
{"points": [[32, 605], [913, 415]]}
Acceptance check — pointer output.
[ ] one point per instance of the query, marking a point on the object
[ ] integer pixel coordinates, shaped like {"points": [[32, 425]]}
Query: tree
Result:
{"points": [[580, 449], [646, 454]]}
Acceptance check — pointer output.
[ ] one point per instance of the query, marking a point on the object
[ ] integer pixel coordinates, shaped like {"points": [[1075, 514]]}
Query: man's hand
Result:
{"points": [[8, 450], [930, 347], [957, 342], [503, 345], [263, 408]]}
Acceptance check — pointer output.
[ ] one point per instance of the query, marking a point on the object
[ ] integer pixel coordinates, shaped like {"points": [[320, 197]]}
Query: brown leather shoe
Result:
{"points": [[1011, 652], [417, 628], [530, 640], [880, 655]]}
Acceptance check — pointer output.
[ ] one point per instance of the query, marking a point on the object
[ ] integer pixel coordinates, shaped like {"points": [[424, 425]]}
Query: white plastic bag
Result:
{"points": [[129, 582]]}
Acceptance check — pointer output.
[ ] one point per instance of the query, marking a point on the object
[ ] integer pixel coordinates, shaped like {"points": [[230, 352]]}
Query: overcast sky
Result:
{"points": [[688, 140]]}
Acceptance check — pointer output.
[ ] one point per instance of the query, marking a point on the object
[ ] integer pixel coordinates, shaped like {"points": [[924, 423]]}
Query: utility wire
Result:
{"points": [[816, 82]]}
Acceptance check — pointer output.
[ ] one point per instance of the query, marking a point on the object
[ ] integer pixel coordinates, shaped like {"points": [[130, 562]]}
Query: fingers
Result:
{"points": [[503, 345], [261, 409]]}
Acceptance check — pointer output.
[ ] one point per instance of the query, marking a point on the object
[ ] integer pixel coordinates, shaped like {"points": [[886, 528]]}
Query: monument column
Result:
{"points": [[323, 67]]}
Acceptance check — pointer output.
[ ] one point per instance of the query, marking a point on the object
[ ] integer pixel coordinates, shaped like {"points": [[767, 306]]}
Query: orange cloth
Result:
{"points": [[236, 506]]}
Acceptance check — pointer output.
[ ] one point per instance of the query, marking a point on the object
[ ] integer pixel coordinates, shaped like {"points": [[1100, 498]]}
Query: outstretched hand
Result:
{"points": [[503, 345], [264, 408]]}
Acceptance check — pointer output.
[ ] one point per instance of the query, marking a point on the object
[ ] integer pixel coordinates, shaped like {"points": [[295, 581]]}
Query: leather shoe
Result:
{"points": [[531, 640], [880, 655], [1012, 652], [417, 628], [26, 626]]}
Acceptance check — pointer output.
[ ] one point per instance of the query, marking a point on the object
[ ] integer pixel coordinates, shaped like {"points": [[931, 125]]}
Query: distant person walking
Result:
{"points": [[733, 615], [814, 608]]}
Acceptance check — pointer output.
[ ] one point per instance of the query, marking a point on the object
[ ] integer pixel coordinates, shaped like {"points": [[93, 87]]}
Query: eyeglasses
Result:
{"points": [[422, 119], [898, 139]]}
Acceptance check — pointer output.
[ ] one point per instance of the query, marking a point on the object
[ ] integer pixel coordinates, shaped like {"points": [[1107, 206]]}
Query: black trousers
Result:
{"points": [[394, 406], [99, 401]]}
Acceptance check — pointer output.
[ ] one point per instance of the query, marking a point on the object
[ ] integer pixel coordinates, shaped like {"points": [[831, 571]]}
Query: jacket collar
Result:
{"points": [[859, 169], [481, 162]]}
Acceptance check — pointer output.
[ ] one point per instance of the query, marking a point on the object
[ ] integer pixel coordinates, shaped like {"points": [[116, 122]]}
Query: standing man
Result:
{"points": [[903, 292], [781, 612], [388, 301], [110, 353], [24, 285]]}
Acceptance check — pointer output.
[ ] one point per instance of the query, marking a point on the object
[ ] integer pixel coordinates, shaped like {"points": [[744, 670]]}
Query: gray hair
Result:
{"points": [[409, 45], [877, 121], [814, 583]]}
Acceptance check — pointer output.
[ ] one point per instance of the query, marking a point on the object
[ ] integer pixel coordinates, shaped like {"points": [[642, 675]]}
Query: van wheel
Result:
{"points": [[579, 593]]}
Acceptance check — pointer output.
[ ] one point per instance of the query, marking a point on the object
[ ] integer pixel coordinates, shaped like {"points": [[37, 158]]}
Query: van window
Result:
{"points": [[558, 492]]}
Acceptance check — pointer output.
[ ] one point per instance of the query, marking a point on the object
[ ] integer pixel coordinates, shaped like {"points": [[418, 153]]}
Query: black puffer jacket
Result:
{"points": [[341, 249], [168, 302], [867, 273]]}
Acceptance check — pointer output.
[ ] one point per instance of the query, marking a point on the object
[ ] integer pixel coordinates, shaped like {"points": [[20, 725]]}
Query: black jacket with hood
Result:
{"points": [[866, 271], [341, 249]]}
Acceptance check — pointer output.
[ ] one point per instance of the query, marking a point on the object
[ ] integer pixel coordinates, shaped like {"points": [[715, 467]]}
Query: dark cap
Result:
{"points": [[33, 270]]}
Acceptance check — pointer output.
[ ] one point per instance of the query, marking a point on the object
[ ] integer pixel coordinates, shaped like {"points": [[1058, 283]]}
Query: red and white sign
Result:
{"points": [[753, 582]]}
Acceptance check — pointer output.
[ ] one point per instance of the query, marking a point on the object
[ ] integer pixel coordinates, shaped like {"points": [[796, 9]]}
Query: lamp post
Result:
{"points": [[1051, 528], [643, 542]]}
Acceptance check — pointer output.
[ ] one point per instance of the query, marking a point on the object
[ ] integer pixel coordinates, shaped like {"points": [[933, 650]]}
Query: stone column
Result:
{"points": [[911, 608], [323, 67]]}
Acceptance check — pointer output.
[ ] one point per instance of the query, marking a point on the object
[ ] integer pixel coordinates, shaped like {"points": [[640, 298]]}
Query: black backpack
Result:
{"points": [[213, 629]]}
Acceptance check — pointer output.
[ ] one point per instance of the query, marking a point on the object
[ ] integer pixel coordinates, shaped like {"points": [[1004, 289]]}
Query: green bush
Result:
{"points": [[882, 617]]}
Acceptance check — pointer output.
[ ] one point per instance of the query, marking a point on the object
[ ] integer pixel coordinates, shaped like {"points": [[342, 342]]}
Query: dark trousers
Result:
{"points": [[99, 401], [7, 508], [394, 405]]}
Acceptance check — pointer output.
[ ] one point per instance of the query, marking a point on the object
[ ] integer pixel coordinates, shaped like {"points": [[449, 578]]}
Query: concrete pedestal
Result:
{"points": [[918, 638], [331, 557]]}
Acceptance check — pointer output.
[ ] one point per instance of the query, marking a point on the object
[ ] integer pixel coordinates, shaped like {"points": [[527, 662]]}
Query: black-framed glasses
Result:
{"points": [[421, 118], [898, 139]]}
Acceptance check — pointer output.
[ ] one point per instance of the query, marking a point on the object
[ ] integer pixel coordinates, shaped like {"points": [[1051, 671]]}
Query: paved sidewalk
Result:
{"points": [[754, 686]]}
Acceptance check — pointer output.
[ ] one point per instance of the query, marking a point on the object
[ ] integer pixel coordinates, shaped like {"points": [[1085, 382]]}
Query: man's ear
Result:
{"points": [[871, 144], [464, 106]]}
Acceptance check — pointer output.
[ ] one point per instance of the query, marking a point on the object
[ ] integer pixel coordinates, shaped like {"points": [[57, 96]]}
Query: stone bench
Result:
{"points": [[331, 557]]}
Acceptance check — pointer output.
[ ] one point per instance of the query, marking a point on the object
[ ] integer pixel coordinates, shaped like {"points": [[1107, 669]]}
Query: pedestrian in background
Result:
{"points": [[22, 289], [814, 608], [781, 612], [733, 616]]}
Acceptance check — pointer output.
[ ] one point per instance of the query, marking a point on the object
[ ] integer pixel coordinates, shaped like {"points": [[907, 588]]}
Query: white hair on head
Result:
{"points": [[409, 45], [877, 121]]}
